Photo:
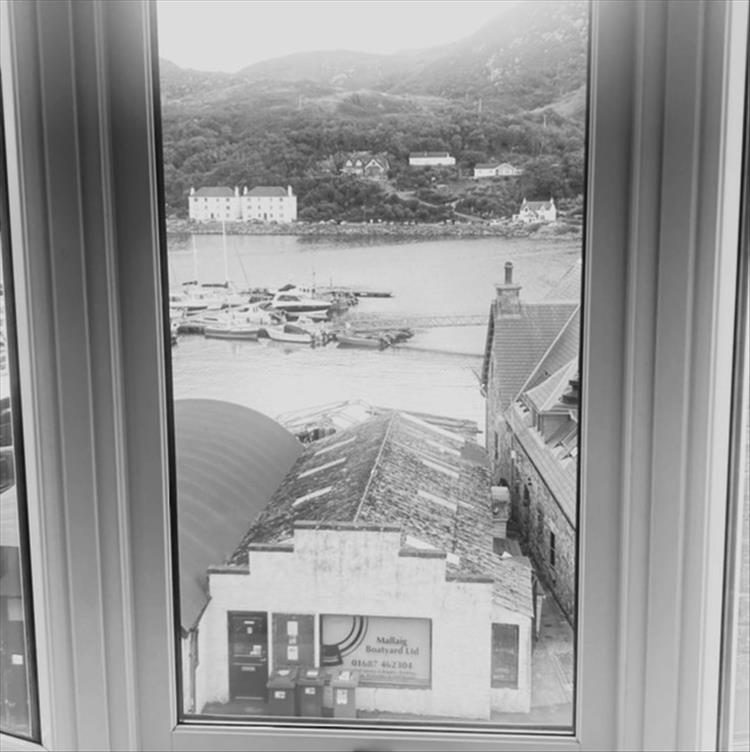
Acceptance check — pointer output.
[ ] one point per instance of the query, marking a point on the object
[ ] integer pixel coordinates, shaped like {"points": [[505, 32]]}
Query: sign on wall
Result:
{"points": [[387, 651], [293, 640]]}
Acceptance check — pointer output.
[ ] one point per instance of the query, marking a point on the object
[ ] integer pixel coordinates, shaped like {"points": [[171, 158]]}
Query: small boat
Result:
{"points": [[248, 332], [290, 333], [362, 340], [293, 302]]}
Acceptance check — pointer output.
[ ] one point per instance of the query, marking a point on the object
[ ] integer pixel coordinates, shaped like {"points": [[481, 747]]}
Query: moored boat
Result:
{"points": [[248, 332], [362, 340], [290, 333]]}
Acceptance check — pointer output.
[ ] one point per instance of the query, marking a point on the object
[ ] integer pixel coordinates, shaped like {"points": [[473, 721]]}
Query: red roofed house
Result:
{"points": [[266, 203], [536, 211], [377, 554], [214, 204], [530, 380]]}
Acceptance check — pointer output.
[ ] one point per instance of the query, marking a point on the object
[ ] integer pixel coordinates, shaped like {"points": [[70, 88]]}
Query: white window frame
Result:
{"points": [[666, 90]]}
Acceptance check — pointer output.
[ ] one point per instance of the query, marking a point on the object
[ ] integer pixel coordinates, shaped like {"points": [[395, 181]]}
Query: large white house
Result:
{"points": [[222, 204], [496, 170], [431, 159], [214, 203], [269, 204], [536, 211]]}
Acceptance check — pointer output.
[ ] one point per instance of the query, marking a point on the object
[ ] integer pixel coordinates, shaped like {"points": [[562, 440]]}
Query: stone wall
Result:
{"points": [[534, 520]]}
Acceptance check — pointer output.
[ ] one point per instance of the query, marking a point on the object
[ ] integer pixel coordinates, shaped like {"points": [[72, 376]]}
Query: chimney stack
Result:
{"points": [[507, 295], [500, 511]]}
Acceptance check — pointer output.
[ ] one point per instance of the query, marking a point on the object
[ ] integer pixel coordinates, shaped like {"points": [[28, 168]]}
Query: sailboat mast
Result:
{"points": [[195, 260], [224, 247]]}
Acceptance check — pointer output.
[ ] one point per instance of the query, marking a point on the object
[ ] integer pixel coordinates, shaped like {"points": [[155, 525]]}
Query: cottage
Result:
{"points": [[536, 211], [214, 203], [530, 381], [269, 204], [385, 530], [431, 159], [367, 165], [496, 170]]}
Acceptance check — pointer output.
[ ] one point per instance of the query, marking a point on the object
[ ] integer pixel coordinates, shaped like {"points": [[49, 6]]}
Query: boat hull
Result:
{"points": [[370, 343], [230, 333]]}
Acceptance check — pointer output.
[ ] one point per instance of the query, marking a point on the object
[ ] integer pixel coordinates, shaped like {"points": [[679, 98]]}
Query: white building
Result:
{"points": [[496, 170], [269, 204], [536, 211], [385, 530], [214, 203], [431, 159]]}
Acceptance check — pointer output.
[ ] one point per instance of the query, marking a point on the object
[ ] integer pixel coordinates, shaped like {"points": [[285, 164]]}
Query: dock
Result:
{"points": [[362, 321]]}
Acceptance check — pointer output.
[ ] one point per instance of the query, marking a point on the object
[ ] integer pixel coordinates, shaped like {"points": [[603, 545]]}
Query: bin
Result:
{"points": [[344, 684], [282, 695], [310, 682]]}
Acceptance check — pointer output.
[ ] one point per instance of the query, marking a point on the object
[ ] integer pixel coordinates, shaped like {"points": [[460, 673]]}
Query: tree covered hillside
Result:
{"points": [[513, 92]]}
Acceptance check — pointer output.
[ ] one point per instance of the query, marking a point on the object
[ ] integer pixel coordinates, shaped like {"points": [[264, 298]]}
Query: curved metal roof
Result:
{"points": [[230, 461]]}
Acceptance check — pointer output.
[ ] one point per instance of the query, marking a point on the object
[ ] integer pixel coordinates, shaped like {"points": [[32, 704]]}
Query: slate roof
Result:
{"points": [[559, 474], [215, 191], [395, 469], [230, 460], [518, 343], [267, 191]]}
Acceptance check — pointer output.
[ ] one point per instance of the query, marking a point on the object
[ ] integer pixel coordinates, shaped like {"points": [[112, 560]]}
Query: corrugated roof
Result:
{"points": [[230, 460], [546, 395], [267, 191], [517, 343], [385, 481], [422, 154], [562, 350], [216, 191], [568, 287]]}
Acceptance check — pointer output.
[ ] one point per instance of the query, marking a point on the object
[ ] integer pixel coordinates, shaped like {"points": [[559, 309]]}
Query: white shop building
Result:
{"points": [[214, 203], [378, 553]]}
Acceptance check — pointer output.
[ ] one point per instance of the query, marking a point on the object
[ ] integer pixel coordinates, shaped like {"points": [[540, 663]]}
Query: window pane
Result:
{"points": [[18, 701], [374, 269]]}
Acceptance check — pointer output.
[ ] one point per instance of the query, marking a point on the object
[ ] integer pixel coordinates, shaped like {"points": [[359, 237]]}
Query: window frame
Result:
{"points": [[666, 84]]}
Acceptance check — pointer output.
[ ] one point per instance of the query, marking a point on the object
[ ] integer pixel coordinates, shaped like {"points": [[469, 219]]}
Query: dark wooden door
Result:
{"points": [[248, 655]]}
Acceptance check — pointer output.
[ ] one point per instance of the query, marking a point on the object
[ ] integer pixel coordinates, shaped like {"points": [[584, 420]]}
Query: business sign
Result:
{"points": [[386, 651]]}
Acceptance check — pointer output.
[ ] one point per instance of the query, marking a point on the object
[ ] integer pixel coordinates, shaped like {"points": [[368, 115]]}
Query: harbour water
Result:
{"points": [[435, 372]]}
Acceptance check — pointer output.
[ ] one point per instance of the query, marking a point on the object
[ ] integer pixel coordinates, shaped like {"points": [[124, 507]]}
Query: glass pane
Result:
{"points": [[374, 252], [18, 701], [735, 716]]}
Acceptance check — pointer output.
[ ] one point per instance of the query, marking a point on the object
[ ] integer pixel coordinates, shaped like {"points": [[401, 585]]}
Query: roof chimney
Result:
{"points": [[192, 191], [507, 295], [289, 190]]}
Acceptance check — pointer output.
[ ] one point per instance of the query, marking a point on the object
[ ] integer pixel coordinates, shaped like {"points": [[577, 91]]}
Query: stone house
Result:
{"points": [[536, 211], [214, 204], [529, 378], [384, 531]]}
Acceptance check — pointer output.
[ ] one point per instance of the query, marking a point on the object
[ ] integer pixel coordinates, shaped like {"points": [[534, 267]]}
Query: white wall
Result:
{"points": [[362, 573]]}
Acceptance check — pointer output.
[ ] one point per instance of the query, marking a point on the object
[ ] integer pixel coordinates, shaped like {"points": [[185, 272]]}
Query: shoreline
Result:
{"points": [[553, 231]]}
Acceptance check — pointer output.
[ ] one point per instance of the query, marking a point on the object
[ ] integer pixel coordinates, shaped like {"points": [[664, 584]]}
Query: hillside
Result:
{"points": [[514, 90]]}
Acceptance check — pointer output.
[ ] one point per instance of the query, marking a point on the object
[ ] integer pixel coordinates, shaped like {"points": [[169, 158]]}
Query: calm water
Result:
{"points": [[435, 372]]}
